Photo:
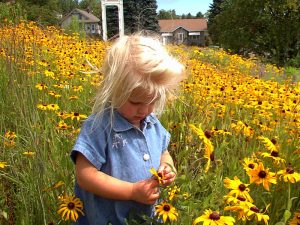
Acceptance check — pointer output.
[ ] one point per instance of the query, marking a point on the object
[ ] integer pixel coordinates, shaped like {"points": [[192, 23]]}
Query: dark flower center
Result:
{"points": [[254, 209], [76, 114], [273, 141], [289, 170], [241, 198], [262, 174], [242, 187], [251, 166], [166, 208], [71, 205], [212, 156], [208, 134], [274, 153], [214, 216], [160, 174]]}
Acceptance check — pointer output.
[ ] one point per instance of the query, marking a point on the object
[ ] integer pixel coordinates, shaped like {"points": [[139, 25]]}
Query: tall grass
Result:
{"points": [[42, 88]]}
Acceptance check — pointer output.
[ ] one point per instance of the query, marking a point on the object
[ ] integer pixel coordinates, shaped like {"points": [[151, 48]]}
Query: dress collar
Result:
{"points": [[121, 124]]}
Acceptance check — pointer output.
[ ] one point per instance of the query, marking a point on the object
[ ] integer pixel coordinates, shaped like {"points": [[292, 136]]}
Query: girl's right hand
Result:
{"points": [[146, 191]]}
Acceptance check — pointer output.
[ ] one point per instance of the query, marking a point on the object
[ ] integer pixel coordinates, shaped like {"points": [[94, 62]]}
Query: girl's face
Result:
{"points": [[137, 107]]}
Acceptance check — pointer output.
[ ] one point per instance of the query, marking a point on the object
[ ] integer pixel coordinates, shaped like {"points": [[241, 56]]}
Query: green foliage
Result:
{"points": [[11, 13], [267, 28], [75, 27]]}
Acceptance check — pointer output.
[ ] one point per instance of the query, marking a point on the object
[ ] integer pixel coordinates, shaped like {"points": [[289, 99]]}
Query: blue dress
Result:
{"points": [[124, 152]]}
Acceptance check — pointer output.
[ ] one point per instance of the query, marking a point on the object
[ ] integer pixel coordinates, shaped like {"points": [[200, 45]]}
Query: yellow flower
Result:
{"points": [[249, 164], [159, 176], [10, 135], [70, 208], [54, 186], [41, 86], [209, 148], [260, 175], [53, 107], [42, 106], [29, 153], [173, 192], [214, 218], [3, 165], [78, 116], [254, 212], [289, 175], [238, 188], [62, 125], [296, 218], [269, 144], [166, 211]]}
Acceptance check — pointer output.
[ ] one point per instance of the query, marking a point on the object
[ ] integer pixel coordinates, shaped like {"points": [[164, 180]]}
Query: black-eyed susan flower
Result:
{"points": [[239, 209], [214, 218], [77, 116], [29, 153], [42, 106], [254, 212], [260, 175], [53, 107], [70, 208], [62, 125], [166, 211], [54, 94], [296, 218], [158, 175], [77, 88], [63, 115], [10, 135], [289, 175], [249, 164], [238, 188], [73, 97], [269, 144], [41, 86], [173, 192], [55, 186], [3, 164], [209, 148]]}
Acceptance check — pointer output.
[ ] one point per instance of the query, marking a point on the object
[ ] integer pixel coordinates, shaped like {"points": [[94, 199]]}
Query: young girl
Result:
{"points": [[123, 139]]}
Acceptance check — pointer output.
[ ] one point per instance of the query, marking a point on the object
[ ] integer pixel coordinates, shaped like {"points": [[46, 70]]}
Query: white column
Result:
{"points": [[119, 4], [104, 23]]}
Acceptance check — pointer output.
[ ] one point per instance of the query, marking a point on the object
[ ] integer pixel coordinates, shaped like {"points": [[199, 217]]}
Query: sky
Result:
{"points": [[184, 6]]}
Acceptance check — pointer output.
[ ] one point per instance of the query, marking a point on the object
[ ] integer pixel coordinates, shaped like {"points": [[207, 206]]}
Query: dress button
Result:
{"points": [[146, 157]]}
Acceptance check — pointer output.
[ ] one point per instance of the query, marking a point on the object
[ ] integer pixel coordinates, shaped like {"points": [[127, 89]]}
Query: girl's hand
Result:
{"points": [[146, 191], [168, 174]]}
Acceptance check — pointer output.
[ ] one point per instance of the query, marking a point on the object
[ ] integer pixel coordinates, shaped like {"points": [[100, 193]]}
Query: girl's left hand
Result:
{"points": [[168, 174]]}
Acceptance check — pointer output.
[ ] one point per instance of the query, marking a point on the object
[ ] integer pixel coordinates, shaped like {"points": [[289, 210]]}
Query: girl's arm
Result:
{"points": [[101, 184]]}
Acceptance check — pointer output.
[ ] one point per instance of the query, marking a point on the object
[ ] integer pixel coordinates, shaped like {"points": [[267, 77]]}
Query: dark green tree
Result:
{"points": [[146, 15], [199, 15], [92, 6], [265, 27], [214, 9], [130, 19]]}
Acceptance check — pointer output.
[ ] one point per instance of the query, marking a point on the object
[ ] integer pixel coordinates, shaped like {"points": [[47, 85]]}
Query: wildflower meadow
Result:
{"points": [[235, 126]]}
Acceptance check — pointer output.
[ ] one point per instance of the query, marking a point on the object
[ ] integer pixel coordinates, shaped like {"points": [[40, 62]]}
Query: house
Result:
{"points": [[91, 22], [184, 31]]}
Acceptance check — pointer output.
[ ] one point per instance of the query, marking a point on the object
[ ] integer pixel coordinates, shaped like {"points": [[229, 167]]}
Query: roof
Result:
{"points": [[88, 17], [187, 24]]}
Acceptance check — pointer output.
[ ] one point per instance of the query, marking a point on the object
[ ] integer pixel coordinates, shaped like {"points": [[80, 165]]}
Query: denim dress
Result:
{"points": [[124, 152]]}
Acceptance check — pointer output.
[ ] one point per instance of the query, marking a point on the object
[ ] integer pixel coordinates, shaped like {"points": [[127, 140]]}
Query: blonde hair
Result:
{"points": [[133, 62]]}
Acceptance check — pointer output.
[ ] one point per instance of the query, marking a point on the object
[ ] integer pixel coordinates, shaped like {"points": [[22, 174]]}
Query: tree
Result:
{"points": [[189, 16], [269, 28], [146, 15], [214, 9], [93, 6], [199, 15]]}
